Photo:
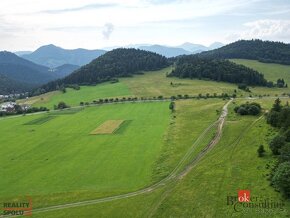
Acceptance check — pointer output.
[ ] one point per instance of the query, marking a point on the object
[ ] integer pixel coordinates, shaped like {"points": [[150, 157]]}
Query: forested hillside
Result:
{"points": [[192, 66], [8, 86], [263, 51], [23, 71], [120, 62]]}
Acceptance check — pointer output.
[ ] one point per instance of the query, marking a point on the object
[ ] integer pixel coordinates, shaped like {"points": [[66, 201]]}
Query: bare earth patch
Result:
{"points": [[108, 127]]}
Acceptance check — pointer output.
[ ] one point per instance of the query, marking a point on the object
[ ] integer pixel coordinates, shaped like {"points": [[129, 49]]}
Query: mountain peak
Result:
{"points": [[216, 45]]}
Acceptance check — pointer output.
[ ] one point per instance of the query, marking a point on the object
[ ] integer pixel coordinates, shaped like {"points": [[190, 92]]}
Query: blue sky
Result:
{"points": [[28, 24]]}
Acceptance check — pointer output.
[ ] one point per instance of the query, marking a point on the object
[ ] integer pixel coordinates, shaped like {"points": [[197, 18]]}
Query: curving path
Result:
{"points": [[177, 173]]}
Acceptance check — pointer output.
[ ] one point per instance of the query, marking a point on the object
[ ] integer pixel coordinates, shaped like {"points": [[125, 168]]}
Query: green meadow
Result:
{"points": [[54, 158], [156, 83], [42, 155], [233, 164], [150, 84], [74, 97], [60, 162], [271, 72]]}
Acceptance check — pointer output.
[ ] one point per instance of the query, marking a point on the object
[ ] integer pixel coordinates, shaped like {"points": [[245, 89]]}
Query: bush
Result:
{"points": [[242, 111], [62, 105], [261, 151], [248, 109], [276, 144], [285, 153], [281, 179]]}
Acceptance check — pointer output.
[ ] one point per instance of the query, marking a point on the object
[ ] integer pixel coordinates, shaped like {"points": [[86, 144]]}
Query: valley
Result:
{"points": [[146, 142]]}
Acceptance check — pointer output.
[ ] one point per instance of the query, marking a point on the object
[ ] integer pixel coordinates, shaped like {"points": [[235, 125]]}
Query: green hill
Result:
{"points": [[117, 63], [192, 66], [263, 51]]}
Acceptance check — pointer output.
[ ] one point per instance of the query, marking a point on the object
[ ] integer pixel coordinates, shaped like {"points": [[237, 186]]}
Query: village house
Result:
{"points": [[7, 106]]}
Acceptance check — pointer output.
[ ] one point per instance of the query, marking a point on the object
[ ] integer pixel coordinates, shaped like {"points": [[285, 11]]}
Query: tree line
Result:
{"points": [[263, 51], [192, 66], [279, 117]]}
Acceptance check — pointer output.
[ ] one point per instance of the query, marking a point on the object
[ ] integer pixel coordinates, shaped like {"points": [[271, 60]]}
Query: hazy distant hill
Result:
{"points": [[21, 70], [165, 50], [215, 45], [23, 74], [116, 63], [172, 51], [20, 53], [194, 48], [65, 70], [53, 56], [264, 51], [9, 86], [197, 48]]}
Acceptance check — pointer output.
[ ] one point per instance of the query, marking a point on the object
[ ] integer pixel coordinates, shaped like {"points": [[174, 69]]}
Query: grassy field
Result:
{"points": [[232, 165], [151, 84], [60, 155], [271, 72], [74, 97], [155, 83], [68, 164], [58, 161]]}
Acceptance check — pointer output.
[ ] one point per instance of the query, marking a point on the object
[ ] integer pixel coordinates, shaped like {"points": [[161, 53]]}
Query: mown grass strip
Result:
{"points": [[40, 120], [108, 127], [66, 111], [123, 126]]}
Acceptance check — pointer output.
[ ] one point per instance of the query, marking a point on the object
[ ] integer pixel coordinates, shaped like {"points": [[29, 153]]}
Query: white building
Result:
{"points": [[7, 106]]}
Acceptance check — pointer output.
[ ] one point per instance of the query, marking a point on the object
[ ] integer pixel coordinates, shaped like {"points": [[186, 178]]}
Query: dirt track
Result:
{"points": [[177, 173]]}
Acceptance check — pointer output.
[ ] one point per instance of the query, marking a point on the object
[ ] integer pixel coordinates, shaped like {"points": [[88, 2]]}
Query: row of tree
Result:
{"points": [[160, 97], [279, 117], [191, 66]]}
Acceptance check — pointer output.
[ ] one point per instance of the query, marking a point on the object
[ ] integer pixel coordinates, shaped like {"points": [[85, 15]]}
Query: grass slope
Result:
{"points": [[191, 119], [232, 165], [155, 83], [272, 72], [74, 97], [59, 160]]}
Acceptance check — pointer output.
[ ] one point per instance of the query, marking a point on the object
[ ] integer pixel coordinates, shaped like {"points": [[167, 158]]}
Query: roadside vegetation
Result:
{"points": [[279, 117]]}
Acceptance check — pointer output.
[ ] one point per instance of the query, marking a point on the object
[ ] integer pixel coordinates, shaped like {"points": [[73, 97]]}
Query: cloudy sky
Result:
{"points": [[28, 24]]}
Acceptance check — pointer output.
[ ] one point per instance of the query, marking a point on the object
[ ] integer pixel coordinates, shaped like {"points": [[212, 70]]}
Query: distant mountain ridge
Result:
{"points": [[24, 75], [184, 49], [53, 56], [21, 70], [165, 51]]}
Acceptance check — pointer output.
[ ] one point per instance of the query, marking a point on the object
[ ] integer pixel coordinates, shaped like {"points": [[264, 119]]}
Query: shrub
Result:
{"points": [[261, 151], [276, 144], [281, 178]]}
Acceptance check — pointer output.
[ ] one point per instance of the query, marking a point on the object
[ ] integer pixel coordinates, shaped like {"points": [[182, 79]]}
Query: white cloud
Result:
{"points": [[107, 30], [266, 29], [38, 22]]}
